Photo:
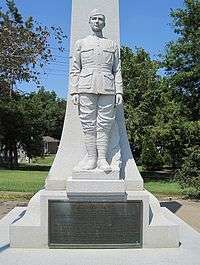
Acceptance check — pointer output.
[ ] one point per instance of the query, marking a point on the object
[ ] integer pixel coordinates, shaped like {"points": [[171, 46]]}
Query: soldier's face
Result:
{"points": [[97, 23]]}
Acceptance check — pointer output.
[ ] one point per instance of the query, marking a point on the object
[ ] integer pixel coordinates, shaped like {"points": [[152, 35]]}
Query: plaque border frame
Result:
{"points": [[97, 246]]}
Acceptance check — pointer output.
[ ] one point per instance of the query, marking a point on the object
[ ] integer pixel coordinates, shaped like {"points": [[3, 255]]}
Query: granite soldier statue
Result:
{"points": [[96, 87]]}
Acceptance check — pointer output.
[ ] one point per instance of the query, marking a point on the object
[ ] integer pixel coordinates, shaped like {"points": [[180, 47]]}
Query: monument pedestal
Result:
{"points": [[95, 182], [32, 230], [86, 187]]}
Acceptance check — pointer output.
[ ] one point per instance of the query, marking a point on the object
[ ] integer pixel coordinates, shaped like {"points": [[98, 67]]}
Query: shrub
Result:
{"points": [[151, 158], [188, 175]]}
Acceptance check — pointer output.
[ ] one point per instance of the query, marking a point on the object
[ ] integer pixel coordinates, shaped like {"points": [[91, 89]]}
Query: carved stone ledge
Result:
{"points": [[95, 174]]}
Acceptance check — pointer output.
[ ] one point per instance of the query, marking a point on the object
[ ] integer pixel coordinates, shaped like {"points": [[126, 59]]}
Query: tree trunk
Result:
{"points": [[10, 163], [15, 160]]}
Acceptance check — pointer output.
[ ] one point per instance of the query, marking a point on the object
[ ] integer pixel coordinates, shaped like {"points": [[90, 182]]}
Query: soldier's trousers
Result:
{"points": [[97, 114]]}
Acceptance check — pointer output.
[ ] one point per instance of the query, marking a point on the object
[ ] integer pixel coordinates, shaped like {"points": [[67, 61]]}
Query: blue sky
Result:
{"points": [[144, 23]]}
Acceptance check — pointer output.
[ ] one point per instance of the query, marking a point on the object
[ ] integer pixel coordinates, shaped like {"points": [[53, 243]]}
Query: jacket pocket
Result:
{"points": [[87, 56], [108, 81], [108, 55], [85, 79]]}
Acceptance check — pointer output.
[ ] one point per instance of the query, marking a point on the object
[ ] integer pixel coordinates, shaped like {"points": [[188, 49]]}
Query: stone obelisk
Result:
{"points": [[72, 148]]}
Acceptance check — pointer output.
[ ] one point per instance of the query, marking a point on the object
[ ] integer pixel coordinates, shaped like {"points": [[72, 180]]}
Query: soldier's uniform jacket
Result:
{"points": [[96, 67]]}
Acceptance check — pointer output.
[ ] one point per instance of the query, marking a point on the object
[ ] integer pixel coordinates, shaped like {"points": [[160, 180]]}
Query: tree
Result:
{"points": [[141, 93], [151, 157], [53, 111], [182, 60], [11, 127], [189, 174], [24, 46], [25, 119], [24, 49], [166, 108], [155, 116]]}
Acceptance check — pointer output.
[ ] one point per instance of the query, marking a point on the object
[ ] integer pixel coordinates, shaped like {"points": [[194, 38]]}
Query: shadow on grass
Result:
{"points": [[32, 167], [173, 206], [165, 174], [29, 167]]}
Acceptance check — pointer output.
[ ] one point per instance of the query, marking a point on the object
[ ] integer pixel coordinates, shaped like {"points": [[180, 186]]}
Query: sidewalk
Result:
{"points": [[187, 210], [187, 254]]}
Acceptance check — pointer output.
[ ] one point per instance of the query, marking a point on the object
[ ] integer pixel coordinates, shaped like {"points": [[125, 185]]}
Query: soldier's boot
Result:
{"points": [[102, 147], [90, 142]]}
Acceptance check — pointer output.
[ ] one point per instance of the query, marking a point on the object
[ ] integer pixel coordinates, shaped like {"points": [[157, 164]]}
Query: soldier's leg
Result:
{"points": [[88, 115], [105, 119]]}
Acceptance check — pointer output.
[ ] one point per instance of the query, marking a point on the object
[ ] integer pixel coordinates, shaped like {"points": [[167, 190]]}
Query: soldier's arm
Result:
{"points": [[117, 71], [75, 69]]}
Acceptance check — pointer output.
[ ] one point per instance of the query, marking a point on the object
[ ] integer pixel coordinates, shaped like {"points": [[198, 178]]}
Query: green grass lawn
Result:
{"points": [[30, 178], [46, 160], [160, 187], [32, 181], [21, 181]]}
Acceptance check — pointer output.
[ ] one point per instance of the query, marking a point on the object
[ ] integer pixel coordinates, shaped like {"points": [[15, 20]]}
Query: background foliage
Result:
{"points": [[161, 111]]}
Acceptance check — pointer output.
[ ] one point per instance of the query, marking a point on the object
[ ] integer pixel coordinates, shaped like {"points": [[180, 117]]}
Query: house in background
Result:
{"points": [[50, 145]]}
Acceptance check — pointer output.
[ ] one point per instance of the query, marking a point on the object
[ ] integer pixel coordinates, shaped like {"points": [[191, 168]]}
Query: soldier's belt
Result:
{"points": [[102, 69]]}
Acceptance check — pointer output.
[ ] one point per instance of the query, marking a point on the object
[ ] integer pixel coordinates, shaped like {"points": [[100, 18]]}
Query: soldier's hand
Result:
{"points": [[119, 99], [75, 99]]}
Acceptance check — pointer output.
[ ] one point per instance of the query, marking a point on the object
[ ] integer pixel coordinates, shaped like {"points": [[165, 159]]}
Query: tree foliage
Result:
{"points": [[141, 92], [24, 45], [25, 119], [52, 111], [151, 157], [162, 113], [189, 174], [182, 60]]}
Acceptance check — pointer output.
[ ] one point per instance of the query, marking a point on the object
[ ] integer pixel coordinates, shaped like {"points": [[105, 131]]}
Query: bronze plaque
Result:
{"points": [[95, 224]]}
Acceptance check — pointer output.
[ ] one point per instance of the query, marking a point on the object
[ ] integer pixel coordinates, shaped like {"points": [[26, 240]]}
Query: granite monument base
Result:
{"points": [[187, 253], [32, 230]]}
